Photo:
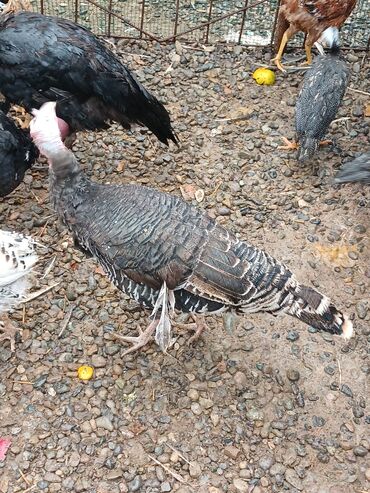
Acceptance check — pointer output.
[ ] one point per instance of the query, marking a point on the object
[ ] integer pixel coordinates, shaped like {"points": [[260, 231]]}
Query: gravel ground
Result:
{"points": [[270, 406]]}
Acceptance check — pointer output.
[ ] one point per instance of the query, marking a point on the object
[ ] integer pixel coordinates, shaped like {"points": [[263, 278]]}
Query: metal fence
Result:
{"points": [[247, 22]]}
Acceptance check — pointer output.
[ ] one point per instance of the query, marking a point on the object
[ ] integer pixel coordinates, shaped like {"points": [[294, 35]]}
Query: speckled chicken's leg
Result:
{"points": [[139, 341], [8, 331], [198, 326]]}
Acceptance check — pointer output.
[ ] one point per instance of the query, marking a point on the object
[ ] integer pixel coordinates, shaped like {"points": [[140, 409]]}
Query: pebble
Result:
{"points": [[135, 484], [367, 474], [293, 375], [241, 485], [293, 479], [98, 361], [292, 336], [194, 470], [232, 452], [360, 451], [346, 390], [105, 423]]}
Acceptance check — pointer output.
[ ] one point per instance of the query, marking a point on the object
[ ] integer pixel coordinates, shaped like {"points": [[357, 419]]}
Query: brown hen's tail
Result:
{"points": [[281, 26], [318, 311]]}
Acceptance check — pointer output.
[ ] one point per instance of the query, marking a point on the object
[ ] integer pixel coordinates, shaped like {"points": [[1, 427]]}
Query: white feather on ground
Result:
{"points": [[17, 258]]}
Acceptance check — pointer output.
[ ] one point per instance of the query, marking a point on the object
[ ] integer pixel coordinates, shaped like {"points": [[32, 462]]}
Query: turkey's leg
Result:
{"points": [[8, 331], [198, 326], [286, 36], [139, 341]]}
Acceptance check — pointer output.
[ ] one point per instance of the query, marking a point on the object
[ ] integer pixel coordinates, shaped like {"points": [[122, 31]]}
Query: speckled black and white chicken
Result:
{"points": [[17, 258], [357, 169], [167, 254], [45, 58], [320, 97], [17, 154]]}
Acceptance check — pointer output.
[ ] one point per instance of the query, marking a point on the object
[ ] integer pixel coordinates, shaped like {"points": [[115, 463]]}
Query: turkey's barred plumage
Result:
{"points": [[17, 257], [45, 58], [17, 154], [145, 239], [356, 170], [323, 88]]}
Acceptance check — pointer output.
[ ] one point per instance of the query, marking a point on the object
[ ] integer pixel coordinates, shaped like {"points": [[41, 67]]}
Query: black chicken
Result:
{"points": [[45, 58], [356, 170], [323, 88], [167, 254], [17, 154]]}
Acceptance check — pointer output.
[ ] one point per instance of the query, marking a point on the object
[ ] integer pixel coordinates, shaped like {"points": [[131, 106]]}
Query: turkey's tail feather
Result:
{"points": [[318, 311], [307, 148], [355, 170]]}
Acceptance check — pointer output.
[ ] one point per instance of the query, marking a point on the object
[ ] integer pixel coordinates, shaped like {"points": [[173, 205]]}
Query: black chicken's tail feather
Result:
{"points": [[318, 311], [307, 148]]}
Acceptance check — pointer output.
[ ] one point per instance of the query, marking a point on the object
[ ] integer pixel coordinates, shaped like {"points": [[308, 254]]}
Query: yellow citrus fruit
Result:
{"points": [[85, 372], [264, 76]]}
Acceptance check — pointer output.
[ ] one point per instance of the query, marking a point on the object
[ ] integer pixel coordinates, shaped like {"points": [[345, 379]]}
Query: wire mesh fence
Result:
{"points": [[247, 22]]}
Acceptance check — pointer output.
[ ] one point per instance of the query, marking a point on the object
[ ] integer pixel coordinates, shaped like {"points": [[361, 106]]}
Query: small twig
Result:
{"points": [[33, 296], [216, 189], [234, 119], [29, 489], [67, 318], [340, 372], [178, 453], [24, 477], [344, 118], [49, 267], [358, 90], [43, 229], [23, 382], [167, 469], [36, 197]]}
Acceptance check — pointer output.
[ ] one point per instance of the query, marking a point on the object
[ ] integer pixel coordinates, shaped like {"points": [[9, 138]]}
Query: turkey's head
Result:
{"points": [[47, 130]]}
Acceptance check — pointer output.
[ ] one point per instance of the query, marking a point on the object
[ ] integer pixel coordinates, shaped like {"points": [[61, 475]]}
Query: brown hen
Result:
{"points": [[311, 17]]}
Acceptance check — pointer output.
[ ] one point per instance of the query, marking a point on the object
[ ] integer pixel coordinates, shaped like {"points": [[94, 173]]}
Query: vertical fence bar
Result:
{"points": [[42, 6], [76, 11], [109, 17], [275, 23], [142, 18], [243, 22], [176, 19], [209, 19]]}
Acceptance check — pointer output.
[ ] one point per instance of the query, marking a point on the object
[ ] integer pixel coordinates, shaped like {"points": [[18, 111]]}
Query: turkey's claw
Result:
{"points": [[198, 326], [8, 331], [139, 341]]}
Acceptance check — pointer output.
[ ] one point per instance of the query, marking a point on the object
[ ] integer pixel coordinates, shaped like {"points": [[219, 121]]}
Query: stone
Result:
{"points": [[241, 485], [232, 452], [105, 423]]}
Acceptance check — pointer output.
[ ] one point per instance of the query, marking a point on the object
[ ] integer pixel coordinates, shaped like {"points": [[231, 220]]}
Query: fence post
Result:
{"points": [[209, 18], [142, 18], [109, 17], [176, 19], [76, 11], [243, 22], [42, 6]]}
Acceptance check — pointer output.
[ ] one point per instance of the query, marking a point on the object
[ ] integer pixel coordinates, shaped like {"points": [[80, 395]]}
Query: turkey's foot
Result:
{"points": [[289, 146], [198, 326], [139, 341], [8, 331]]}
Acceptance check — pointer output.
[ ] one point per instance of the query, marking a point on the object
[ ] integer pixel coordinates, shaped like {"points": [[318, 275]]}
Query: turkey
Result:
{"points": [[17, 257], [45, 58], [323, 89], [167, 254], [356, 170], [17, 154]]}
